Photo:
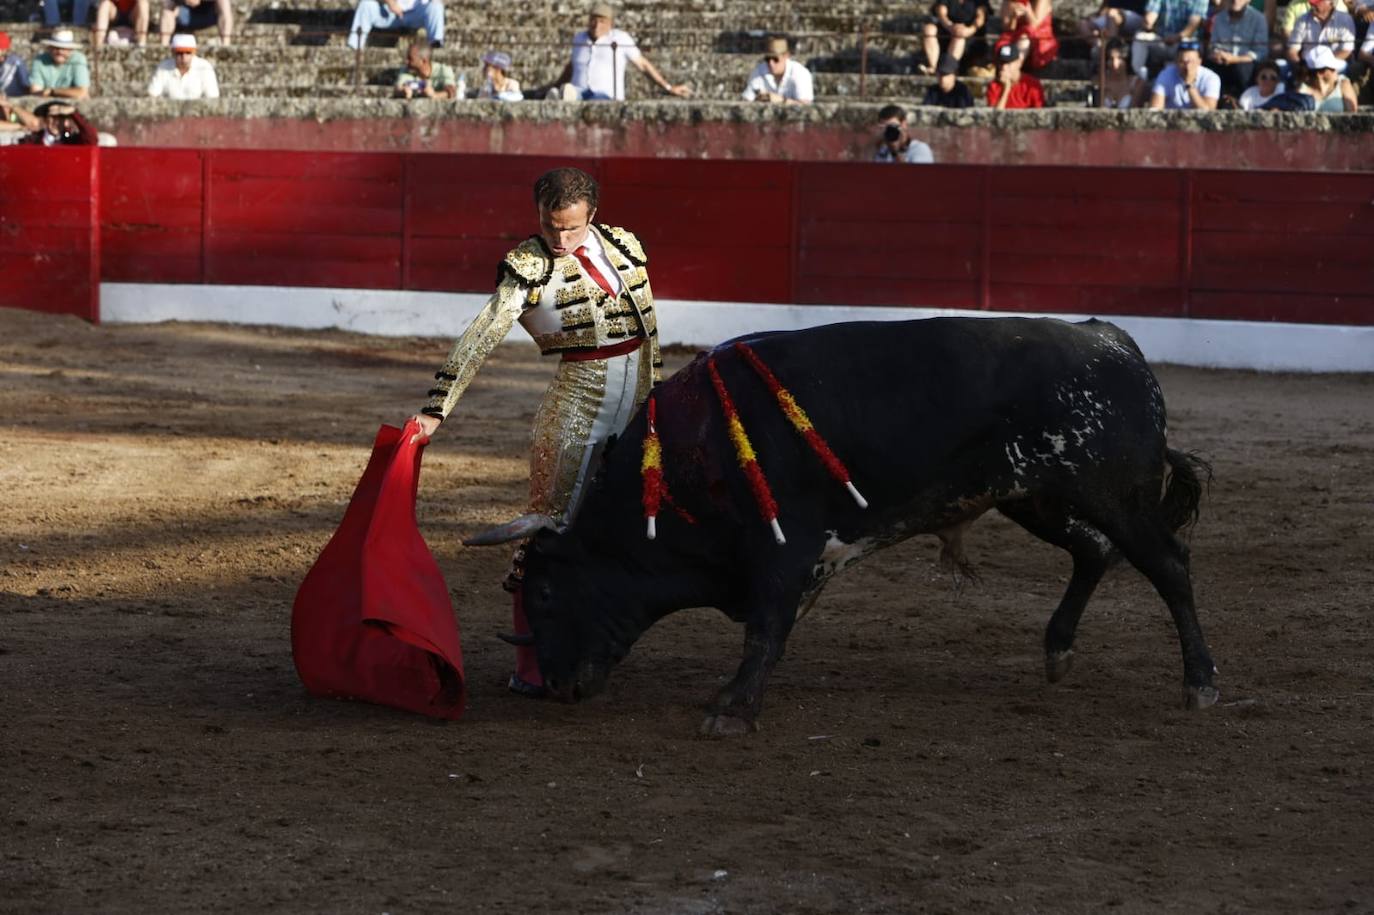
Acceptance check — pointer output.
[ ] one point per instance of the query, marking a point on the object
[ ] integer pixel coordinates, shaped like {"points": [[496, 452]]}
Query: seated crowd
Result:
{"points": [[1161, 54]]}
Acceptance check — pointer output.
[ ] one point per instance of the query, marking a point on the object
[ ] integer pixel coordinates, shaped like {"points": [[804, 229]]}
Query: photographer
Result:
{"points": [[423, 78], [895, 143], [52, 124]]}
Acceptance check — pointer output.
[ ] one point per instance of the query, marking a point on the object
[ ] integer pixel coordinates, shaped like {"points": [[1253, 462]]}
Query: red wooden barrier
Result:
{"points": [[1218, 244], [49, 238]]}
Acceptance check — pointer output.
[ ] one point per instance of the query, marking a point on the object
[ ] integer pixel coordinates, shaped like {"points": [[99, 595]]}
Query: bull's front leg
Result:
{"points": [[735, 709]]}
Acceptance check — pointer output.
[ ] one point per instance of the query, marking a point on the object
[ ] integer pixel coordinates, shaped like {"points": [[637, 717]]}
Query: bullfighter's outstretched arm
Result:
{"points": [[488, 329]]}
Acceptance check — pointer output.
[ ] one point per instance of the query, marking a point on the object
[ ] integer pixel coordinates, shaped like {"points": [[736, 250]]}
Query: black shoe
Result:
{"points": [[525, 688]]}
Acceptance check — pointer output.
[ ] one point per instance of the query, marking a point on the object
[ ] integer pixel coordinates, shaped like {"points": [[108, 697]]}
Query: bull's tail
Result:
{"points": [[1189, 475]]}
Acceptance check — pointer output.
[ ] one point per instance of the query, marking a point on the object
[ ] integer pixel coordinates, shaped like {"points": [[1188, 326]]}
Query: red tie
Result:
{"points": [[595, 274]]}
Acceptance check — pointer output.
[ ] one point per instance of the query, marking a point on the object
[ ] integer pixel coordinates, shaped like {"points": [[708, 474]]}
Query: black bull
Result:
{"points": [[1061, 427]]}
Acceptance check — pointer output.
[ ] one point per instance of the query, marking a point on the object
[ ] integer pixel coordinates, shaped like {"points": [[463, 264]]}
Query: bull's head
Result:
{"points": [[582, 622]]}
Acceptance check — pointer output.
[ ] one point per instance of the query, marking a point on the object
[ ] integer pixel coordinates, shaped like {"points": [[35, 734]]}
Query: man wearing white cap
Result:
{"points": [[61, 71], [184, 75], [599, 56]]}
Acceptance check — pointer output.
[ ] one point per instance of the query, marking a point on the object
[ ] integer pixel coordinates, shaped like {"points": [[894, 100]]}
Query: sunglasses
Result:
{"points": [[772, 58], [1267, 76]]}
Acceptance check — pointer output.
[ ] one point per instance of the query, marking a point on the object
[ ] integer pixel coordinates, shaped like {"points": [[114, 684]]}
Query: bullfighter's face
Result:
{"points": [[564, 230]]}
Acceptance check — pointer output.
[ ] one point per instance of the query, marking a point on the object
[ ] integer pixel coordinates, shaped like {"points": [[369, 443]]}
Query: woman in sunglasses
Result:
{"points": [[1268, 86]]}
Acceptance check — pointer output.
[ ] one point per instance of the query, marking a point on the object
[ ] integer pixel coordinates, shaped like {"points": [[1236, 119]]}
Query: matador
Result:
{"points": [[581, 290]]}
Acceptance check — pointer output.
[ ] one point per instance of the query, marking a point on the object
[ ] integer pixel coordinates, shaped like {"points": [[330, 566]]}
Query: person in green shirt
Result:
{"points": [[424, 78], [61, 71]]}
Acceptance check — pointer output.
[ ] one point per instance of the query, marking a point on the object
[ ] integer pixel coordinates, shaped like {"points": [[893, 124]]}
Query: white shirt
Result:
{"points": [[198, 82], [795, 83], [599, 71], [597, 255], [1251, 100]]}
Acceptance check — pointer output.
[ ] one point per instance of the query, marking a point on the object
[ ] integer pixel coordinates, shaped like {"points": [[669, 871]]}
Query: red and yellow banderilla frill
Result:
{"points": [[744, 453], [801, 422]]}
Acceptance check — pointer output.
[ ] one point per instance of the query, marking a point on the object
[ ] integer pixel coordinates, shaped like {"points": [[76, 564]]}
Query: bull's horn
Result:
{"points": [[520, 641], [519, 529]]}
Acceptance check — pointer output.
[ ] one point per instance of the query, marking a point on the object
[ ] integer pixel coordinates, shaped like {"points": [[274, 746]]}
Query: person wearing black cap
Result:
{"points": [[1010, 88], [55, 123], [948, 91]]}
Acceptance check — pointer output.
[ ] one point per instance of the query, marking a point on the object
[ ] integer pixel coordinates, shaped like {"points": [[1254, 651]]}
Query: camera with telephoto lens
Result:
{"points": [[892, 133]]}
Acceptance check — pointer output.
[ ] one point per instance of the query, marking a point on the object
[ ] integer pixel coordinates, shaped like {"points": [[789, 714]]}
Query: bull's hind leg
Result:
{"points": [[1146, 541], [1092, 554]]}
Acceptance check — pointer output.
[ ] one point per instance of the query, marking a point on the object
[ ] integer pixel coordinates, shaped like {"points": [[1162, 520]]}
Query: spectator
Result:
{"points": [[498, 83], [1329, 89], [1121, 88], [397, 14], [1268, 86], [132, 13], [1115, 18], [424, 78], [1322, 26], [958, 22], [895, 143], [14, 74], [948, 91], [599, 55], [778, 78], [1240, 36], [194, 15], [1029, 25], [184, 76], [1365, 59], [1009, 87], [52, 14], [60, 71], [1186, 84], [55, 123], [1167, 22]]}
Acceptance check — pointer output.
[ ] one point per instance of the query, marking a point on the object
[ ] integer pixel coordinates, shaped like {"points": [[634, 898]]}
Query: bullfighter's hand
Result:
{"points": [[427, 426]]}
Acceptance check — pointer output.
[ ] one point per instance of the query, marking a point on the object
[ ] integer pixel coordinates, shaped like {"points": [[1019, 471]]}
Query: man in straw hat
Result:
{"points": [[581, 290], [778, 78], [61, 71], [184, 76], [599, 55]]}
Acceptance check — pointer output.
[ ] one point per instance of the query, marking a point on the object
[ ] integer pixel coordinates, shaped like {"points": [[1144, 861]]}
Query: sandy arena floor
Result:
{"points": [[164, 488]]}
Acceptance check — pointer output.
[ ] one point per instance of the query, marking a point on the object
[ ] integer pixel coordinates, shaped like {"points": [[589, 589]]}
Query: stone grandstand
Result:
{"points": [[859, 50]]}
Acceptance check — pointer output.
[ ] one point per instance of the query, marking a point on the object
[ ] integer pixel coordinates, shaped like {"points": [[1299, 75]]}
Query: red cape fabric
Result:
{"points": [[372, 619]]}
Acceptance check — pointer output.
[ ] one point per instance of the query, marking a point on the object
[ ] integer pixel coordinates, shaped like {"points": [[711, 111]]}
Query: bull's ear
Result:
{"points": [[519, 529]]}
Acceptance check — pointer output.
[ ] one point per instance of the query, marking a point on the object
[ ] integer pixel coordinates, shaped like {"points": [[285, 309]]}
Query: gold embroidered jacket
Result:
{"points": [[560, 307]]}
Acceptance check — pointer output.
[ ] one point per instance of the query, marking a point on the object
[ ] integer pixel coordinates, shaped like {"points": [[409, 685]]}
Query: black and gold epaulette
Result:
{"points": [[626, 242], [530, 263]]}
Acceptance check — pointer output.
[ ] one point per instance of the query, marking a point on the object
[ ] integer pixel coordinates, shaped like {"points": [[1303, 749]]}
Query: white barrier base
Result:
{"points": [[1258, 345]]}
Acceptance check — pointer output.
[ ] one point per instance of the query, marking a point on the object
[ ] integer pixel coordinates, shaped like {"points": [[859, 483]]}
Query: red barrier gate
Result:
{"points": [[49, 230], [1137, 241]]}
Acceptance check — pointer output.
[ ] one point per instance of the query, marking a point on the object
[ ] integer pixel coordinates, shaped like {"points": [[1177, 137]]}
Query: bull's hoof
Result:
{"points": [[1196, 698], [1057, 664], [726, 726]]}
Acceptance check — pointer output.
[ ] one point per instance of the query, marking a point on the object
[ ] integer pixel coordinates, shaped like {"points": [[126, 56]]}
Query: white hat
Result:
{"points": [[62, 38], [183, 42], [1322, 57]]}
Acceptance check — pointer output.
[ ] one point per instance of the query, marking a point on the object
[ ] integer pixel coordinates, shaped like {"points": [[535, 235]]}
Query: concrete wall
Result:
{"points": [[674, 129]]}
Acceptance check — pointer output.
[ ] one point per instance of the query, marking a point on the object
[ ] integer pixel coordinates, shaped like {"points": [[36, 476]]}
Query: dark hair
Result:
{"points": [[563, 187], [1117, 44], [892, 111], [1269, 65]]}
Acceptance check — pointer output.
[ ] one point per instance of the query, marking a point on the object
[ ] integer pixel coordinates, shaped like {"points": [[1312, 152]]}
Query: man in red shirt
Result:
{"points": [[1010, 88]]}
